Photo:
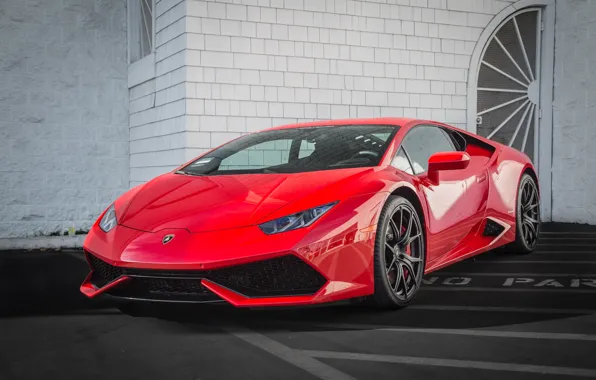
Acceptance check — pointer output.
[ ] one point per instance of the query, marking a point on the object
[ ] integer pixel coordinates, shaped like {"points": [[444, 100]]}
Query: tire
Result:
{"points": [[395, 288], [527, 215]]}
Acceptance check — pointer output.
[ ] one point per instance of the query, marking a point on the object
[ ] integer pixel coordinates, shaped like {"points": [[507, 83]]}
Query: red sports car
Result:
{"points": [[315, 212]]}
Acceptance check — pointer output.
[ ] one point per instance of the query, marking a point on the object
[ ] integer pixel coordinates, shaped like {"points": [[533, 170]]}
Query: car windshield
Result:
{"points": [[297, 150]]}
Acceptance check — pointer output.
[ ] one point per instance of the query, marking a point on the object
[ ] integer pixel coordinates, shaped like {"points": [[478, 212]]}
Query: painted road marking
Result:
{"points": [[463, 332], [567, 233], [512, 281], [295, 357], [488, 290], [559, 262], [496, 333], [517, 274], [453, 363], [501, 309]]}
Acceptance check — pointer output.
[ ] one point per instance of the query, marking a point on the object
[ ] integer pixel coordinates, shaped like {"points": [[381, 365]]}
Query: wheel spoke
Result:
{"points": [[401, 220], [406, 235], [410, 240], [412, 259], [390, 265], [399, 278], [530, 219], [525, 231], [387, 245], [410, 269], [531, 228], [394, 228]]}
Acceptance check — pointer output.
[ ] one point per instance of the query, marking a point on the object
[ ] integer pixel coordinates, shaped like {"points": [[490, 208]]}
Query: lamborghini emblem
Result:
{"points": [[168, 238]]}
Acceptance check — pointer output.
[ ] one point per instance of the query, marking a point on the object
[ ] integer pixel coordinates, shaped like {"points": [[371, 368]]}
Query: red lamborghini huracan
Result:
{"points": [[315, 212]]}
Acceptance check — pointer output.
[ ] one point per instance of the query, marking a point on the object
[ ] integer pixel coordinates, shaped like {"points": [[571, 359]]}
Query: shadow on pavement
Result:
{"points": [[38, 283], [47, 283]]}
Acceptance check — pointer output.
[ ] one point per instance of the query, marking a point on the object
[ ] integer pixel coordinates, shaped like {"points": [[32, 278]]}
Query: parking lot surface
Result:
{"points": [[524, 317]]}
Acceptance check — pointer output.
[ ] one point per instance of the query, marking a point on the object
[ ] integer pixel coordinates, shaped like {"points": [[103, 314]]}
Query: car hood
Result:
{"points": [[209, 203]]}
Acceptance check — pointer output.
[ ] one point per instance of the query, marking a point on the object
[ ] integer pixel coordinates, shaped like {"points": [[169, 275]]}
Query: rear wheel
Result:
{"points": [[527, 216], [399, 254]]}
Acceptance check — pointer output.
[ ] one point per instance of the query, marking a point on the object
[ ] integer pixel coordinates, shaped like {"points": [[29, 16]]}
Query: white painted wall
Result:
{"points": [[231, 67], [158, 130], [63, 114], [263, 63], [574, 113]]}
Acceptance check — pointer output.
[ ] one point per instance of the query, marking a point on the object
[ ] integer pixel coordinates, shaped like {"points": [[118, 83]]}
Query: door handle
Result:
{"points": [[481, 178]]}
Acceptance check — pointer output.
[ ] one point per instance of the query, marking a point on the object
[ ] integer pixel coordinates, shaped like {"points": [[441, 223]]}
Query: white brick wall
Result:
{"points": [[63, 114], [574, 130], [264, 63], [158, 107]]}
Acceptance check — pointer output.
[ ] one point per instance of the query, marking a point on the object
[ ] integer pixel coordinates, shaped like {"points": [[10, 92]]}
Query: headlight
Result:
{"points": [[295, 221], [109, 220]]}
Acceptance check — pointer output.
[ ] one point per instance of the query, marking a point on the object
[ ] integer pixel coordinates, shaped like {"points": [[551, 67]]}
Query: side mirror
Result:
{"points": [[441, 161]]}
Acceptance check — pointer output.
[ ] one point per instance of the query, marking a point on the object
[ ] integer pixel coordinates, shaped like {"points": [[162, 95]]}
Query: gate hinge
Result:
{"points": [[541, 26], [540, 113]]}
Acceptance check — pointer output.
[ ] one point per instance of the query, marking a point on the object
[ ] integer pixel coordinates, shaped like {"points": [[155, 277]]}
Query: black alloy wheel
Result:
{"points": [[399, 254], [527, 217]]}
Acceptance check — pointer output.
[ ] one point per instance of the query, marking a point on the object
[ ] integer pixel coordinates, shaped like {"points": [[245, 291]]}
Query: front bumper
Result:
{"points": [[285, 279]]}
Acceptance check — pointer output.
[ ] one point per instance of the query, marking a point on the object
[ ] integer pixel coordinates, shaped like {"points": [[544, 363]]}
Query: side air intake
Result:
{"points": [[492, 228]]}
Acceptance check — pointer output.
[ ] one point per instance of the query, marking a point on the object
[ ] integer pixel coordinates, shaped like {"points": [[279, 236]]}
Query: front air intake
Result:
{"points": [[280, 276]]}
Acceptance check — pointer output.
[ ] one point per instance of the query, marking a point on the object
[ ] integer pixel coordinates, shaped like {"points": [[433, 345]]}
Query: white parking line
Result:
{"points": [[495, 333], [463, 332], [295, 357], [508, 274], [453, 363], [560, 262], [521, 290], [568, 233], [561, 252], [501, 309], [565, 245]]}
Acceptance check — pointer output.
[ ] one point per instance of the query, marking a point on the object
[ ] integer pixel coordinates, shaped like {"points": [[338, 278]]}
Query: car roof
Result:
{"points": [[391, 121]]}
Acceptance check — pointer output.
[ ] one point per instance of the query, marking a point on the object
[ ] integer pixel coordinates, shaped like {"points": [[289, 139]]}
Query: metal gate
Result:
{"points": [[508, 83]]}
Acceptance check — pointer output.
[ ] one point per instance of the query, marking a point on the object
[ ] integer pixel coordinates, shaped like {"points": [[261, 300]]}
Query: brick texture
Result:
{"points": [[63, 114], [159, 124], [574, 132], [274, 62]]}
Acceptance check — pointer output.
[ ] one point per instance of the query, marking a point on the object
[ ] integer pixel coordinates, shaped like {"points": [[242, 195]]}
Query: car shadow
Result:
{"points": [[47, 283]]}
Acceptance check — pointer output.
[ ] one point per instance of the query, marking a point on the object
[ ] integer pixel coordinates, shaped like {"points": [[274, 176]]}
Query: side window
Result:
{"points": [[259, 156], [306, 149], [424, 141], [401, 162]]}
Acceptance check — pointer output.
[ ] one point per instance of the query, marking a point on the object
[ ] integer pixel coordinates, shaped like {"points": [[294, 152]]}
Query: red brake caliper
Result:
{"points": [[407, 252]]}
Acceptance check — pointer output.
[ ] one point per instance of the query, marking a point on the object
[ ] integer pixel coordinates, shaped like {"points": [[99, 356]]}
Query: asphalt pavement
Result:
{"points": [[524, 317]]}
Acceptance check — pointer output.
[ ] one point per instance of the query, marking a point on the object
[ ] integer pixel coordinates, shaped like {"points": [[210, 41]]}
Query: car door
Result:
{"points": [[457, 202]]}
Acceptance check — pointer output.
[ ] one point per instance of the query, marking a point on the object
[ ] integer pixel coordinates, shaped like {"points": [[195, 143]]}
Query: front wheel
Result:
{"points": [[399, 255]]}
